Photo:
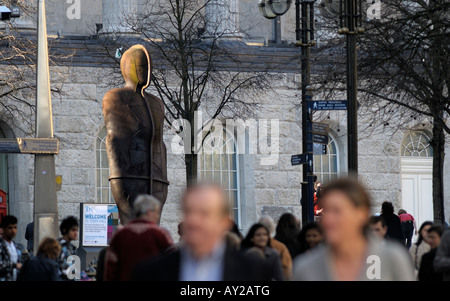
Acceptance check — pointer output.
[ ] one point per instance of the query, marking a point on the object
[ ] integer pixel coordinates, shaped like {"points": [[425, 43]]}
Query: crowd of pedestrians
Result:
{"points": [[346, 242]]}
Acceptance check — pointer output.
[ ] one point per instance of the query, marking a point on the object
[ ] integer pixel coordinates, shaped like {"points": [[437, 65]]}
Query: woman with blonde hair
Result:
{"points": [[349, 252], [44, 266]]}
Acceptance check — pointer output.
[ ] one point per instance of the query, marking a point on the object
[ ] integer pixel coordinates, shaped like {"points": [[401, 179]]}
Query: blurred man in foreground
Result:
{"points": [[204, 254]]}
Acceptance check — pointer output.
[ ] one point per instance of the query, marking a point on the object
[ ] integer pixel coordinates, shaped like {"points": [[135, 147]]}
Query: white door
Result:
{"points": [[417, 188]]}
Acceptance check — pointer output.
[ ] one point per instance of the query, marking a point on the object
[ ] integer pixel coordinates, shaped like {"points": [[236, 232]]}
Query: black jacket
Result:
{"points": [[29, 236], [394, 227], [237, 267], [39, 268], [426, 270]]}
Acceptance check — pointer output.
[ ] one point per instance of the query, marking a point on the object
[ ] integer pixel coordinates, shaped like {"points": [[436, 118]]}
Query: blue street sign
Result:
{"points": [[299, 159], [324, 105], [318, 138]]}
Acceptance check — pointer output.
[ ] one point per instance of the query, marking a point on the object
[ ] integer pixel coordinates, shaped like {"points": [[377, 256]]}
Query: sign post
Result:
{"points": [[45, 202], [317, 133]]}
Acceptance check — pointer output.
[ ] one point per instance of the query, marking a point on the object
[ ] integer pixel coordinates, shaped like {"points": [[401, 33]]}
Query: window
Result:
{"points": [[417, 144], [326, 166], [104, 194], [218, 163]]}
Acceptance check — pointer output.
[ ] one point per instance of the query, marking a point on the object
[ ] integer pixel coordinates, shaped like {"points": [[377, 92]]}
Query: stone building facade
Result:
{"points": [[395, 165]]}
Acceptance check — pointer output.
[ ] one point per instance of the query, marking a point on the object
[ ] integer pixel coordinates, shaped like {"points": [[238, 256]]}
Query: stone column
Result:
{"points": [[118, 15], [223, 18]]}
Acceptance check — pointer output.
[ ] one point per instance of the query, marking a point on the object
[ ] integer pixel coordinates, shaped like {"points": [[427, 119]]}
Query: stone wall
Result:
{"points": [[265, 189]]}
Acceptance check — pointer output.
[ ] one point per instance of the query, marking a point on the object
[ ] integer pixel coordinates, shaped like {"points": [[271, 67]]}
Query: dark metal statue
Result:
{"points": [[134, 122]]}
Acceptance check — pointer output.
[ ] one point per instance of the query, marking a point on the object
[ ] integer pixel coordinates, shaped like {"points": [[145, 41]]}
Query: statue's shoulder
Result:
{"points": [[114, 97], [152, 99]]}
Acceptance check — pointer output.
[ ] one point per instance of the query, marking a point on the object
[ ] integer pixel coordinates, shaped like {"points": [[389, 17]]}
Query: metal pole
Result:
{"points": [[310, 152], [352, 119], [302, 34], [45, 202]]}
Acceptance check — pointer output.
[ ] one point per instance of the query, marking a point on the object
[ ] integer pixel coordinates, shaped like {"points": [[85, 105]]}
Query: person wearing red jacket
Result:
{"points": [[139, 240], [317, 208]]}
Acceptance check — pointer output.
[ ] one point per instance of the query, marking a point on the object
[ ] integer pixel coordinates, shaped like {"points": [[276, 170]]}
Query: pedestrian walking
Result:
{"points": [[11, 253], [378, 227], [348, 249], [409, 226], [203, 254], [442, 260], [285, 256], [310, 237], [29, 236], [69, 233], [393, 223], [427, 272], [259, 236], [44, 266], [287, 231], [317, 193], [421, 246], [140, 239]]}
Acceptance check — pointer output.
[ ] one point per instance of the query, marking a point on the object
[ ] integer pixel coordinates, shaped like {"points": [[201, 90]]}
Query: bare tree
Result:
{"points": [[16, 74], [18, 49], [196, 65], [403, 66]]}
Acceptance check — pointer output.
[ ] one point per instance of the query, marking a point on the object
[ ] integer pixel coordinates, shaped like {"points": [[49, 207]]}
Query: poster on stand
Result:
{"points": [[99, 222]]}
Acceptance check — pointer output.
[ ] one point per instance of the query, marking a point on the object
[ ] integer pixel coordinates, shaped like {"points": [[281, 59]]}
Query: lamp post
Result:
{"points": [[351, 25], [304, 30]]}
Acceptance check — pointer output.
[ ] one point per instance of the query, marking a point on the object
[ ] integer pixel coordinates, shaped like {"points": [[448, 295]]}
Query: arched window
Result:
{"points": [[104, 194], [326, 165], [417, 144], [219, 163]]}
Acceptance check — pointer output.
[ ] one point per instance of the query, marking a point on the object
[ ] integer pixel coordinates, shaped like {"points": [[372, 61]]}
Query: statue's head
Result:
{"points": [[136, 67]]}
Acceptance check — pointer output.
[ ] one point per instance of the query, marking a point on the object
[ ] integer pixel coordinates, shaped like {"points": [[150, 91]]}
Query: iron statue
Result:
{"points": [[134, 122]]}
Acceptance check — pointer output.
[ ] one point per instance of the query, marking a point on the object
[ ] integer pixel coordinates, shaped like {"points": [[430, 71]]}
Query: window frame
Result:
{"points": [[331, 174], [235, 210], [100, 168]]}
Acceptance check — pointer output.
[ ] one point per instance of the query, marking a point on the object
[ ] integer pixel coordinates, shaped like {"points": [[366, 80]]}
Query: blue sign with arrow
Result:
{"points": [[324, 105]]}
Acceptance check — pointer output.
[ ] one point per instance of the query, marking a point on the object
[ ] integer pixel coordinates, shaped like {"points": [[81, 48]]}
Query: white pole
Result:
{"points": [[45, 202]]}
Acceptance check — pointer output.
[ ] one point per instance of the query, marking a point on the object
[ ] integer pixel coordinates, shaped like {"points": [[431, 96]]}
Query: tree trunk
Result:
{"points": [[191, 157], [191, 168], [438, 143]]}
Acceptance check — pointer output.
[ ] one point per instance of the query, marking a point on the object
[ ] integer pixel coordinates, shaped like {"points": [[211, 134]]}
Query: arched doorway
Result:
{"points": [[416, 173]]}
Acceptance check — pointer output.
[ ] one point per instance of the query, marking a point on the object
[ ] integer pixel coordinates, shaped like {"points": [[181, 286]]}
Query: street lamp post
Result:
{"points": [[351, 25], [304, 30]]}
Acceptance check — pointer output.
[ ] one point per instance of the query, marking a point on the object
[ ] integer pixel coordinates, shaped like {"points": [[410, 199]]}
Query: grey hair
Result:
{"points": [[267, 222], [145, 203]]}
